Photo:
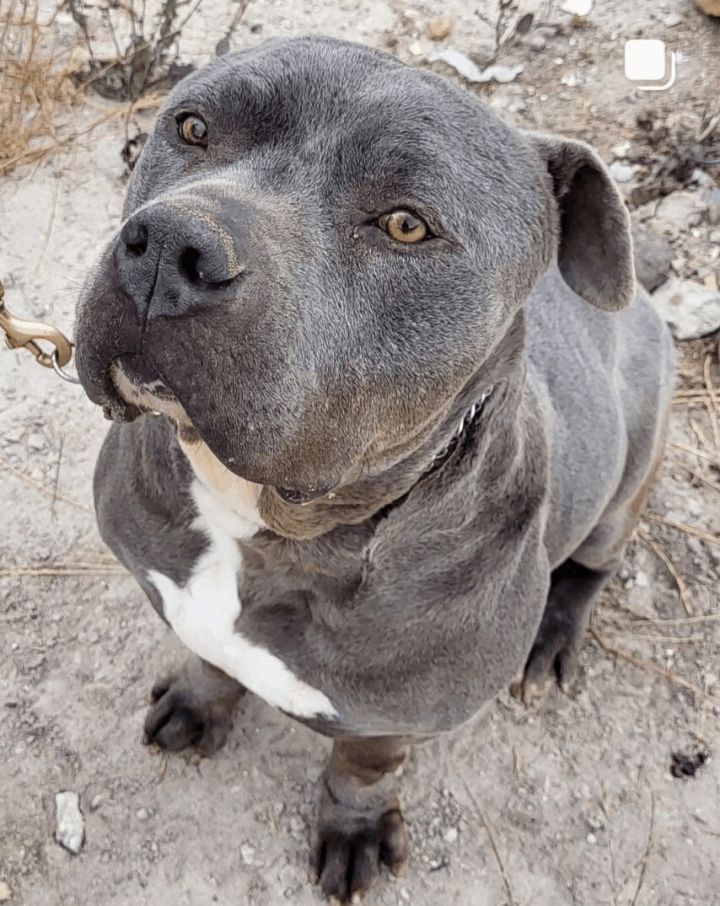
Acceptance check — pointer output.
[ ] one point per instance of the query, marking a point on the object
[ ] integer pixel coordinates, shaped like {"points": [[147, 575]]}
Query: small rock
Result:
{"points": [[537, 43], [709, 7], [415, 48], [591, 838], [450, 835], [622, 149], [439, 29], [681, 209], [622, 171], [577, 7], [142, 814], [36, 441], [69, 821], [653, 257], [247, 853], [691, 309], [672, 20], [5, 892]]}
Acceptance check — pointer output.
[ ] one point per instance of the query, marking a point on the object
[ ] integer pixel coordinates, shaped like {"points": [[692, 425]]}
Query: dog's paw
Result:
{"points": [[552, 660], [191, 709], [349, 847]]}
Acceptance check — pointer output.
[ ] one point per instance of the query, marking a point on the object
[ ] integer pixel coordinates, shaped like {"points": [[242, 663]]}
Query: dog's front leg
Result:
{"points": [[359, 824]]}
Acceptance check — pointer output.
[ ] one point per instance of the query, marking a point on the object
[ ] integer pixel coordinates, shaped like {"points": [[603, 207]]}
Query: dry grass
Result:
{"points": [[43, 88], [35, 82]]}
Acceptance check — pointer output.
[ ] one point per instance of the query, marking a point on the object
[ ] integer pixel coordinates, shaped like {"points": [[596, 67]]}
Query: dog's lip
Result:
{"points": [[303, 497], [142, 396]]}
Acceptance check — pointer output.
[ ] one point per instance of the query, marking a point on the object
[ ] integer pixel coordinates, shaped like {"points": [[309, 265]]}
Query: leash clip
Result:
{"points": [[22, 334]]}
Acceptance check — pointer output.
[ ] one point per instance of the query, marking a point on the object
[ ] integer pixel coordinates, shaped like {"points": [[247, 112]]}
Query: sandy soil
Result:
{"points": [[576, 805]]}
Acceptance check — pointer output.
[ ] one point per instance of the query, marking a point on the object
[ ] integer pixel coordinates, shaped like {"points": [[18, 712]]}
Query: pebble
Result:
{"points": [[36, 441], [450, 835], [439, 29], [622, 171], [653, 258], [709, 7], [691, 309], [672, 20], [537, 43], [5, 892], [142, 814], [415, 48], [681, 209], [577, 7], [69, 821], [247, 853]]}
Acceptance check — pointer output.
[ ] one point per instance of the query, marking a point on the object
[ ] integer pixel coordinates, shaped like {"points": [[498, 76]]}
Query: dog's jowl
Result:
{"points": [[389, 405]]}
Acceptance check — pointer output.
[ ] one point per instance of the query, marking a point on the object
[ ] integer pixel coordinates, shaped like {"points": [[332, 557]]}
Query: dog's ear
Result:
{"points": [[595, 253]]}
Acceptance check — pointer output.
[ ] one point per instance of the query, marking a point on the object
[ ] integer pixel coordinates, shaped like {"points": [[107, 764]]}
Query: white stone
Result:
{"points": [[622, 171], [691, 309], [681, 209], [577, 7], [5, 892], [69, 821]]}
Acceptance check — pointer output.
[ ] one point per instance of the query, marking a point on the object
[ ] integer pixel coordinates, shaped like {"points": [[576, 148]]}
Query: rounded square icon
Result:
{"points": [[645, 60]]}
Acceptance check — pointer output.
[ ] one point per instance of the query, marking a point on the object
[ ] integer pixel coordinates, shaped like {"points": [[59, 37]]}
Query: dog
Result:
{"points": [[388, 407]]}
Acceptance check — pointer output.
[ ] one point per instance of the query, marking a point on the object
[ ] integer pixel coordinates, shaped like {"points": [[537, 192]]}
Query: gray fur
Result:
{"points": [[317, 355]]}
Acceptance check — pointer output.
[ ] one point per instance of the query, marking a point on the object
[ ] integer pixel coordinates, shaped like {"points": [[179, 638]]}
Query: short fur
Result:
{"points": [[313, 358]]}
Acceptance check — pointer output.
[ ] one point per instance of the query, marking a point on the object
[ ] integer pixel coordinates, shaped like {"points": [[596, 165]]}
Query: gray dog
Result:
{"points": [[402, 438]]}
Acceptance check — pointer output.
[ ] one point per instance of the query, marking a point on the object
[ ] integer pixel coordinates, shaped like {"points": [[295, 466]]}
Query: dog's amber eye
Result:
{"points": [[193, 129], [404, 226]]}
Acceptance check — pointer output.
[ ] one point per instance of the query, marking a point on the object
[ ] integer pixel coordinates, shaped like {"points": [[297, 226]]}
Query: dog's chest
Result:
{"points": [[204, 611]]}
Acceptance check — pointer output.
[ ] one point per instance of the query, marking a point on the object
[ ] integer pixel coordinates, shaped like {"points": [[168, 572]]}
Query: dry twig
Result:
{"points": [[670, 566]]}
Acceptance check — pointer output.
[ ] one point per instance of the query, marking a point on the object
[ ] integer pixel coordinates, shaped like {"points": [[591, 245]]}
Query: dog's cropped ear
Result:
{"points": [[595, 253]]}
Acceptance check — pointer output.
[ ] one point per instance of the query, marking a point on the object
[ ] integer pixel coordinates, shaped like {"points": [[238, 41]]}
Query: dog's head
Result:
{"points": [[321, 248]]}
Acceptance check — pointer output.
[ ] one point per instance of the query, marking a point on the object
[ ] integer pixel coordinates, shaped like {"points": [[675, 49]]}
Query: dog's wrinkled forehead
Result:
{"points": [[324, 117]]}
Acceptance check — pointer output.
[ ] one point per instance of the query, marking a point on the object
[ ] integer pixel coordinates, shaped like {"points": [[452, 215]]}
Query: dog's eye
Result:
{"points": [[404, 226], [193, 129]]}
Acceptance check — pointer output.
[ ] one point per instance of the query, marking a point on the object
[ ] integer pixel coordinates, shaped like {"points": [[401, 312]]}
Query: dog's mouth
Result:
{"points": [[138, 390], [142, 391]]}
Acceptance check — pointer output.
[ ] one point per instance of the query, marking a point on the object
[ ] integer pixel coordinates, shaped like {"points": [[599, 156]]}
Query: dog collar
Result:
{"points": [[466, 422]]}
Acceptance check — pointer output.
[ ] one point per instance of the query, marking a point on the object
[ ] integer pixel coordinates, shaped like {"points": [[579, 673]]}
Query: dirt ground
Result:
{"points": [[574, 805]]}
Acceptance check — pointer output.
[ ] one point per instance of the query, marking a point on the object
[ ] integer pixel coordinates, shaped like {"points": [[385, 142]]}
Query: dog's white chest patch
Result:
{"points": [[203, 611]]}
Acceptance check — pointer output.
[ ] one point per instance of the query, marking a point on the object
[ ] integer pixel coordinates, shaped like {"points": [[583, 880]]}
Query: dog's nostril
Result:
{"points": [[189, 265], [135, 237]]}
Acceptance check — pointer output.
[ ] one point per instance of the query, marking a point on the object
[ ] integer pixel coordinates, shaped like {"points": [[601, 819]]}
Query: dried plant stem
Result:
{"points": [[649, 666], [43, 489], [685, 528], [712, 403], [701, 453], [15, 571], [670, 566]]}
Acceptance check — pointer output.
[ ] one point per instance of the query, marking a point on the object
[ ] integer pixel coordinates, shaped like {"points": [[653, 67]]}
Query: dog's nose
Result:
{"points": [[171, 258]]}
